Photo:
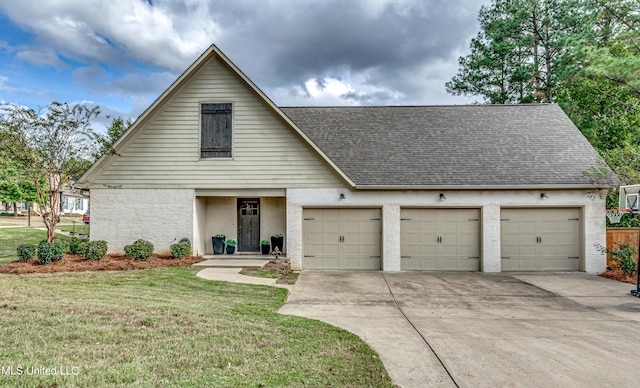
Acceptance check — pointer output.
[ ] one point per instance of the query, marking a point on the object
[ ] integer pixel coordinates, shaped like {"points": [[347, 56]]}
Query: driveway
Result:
{"points": [[483, 330]]}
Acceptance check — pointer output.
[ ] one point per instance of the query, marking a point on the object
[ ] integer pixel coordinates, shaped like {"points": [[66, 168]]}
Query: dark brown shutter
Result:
{"points": [[216, 131]]}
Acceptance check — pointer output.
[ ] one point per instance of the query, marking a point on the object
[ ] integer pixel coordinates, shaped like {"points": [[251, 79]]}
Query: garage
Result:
{"points": [[541, 239], [440, 239], [344, 238]]}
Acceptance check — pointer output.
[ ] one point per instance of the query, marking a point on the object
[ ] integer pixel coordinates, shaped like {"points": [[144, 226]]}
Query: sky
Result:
{"points": [[122, 54]]}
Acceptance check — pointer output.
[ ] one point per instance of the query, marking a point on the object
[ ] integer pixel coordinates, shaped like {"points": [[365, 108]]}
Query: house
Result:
{"points": [[474, 188], [73, 201]]}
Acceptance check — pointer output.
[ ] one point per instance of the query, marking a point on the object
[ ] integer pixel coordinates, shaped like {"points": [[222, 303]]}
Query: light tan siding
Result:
{"points": [[165, 152]]}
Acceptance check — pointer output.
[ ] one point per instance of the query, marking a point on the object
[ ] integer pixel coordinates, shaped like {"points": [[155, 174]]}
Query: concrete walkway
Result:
{"points": [[483, 330], [228, 270]]}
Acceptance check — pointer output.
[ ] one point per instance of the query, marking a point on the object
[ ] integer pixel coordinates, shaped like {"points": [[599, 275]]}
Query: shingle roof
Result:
{"points": [[468, 145]]}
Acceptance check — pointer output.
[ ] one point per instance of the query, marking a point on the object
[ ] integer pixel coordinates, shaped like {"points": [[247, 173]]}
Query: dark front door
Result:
{"points": [[248, 225]]}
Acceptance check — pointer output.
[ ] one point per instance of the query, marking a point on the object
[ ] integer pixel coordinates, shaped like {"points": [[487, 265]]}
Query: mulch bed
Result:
{"points": [[77, 263], [619, 275]]}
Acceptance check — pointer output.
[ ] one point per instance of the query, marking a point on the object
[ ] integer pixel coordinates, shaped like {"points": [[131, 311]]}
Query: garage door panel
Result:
{"points": [[343, 238], [417, 263], [542, 239], [440, 239]]}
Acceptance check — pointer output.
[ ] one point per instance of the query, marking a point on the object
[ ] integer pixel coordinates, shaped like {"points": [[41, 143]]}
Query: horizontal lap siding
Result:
{"points": [[266, 153]]}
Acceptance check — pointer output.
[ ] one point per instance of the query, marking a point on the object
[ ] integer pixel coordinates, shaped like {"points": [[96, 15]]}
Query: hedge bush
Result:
{"points": [[95, 250], [48, 252], [26, 252], [140, 249], [180, 250], [74, 244]]}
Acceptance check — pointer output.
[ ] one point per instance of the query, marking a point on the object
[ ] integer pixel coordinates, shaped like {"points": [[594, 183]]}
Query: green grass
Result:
{"points": [[166, 327], [261, 273], [79, 228], [10, 238]]}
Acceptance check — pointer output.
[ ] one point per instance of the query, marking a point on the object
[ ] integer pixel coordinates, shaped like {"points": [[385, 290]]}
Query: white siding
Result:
{"points": [[165, 152]]}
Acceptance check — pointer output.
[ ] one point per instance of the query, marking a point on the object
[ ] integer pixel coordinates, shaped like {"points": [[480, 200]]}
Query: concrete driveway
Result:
{"points": [[483, 330]]}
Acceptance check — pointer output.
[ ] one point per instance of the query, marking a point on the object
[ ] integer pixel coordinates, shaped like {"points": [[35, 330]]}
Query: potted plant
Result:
{"points": [[218, 244], [277, 240], [264, 247], [231, 246]]}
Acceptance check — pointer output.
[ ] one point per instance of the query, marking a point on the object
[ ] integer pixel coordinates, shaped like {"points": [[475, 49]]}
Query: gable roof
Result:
{"points": [[498, 146], [211, 53]]}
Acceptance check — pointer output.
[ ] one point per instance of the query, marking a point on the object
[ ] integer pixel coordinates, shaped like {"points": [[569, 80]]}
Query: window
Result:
{"points": [[79, 204], [216, 131]]}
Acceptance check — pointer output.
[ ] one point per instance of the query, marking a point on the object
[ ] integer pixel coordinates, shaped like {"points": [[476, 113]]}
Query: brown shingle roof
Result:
{"points": [[468, 145]]}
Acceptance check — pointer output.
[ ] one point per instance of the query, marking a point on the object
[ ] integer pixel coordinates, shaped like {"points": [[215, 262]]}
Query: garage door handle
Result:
{"points": [[473, 257], [308, 256], [573, 257], [505, 257]]}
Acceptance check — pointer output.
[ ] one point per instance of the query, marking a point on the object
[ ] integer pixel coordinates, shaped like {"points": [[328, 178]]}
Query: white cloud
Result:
{"points": [[303, 52]]}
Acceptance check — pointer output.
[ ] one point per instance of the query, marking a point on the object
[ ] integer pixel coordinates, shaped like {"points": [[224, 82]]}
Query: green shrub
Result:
{"points": [[26, 252], [74, 244], [624, 258], [82, 248], [180, 249], [95, 250], [48, 252], [140, 249]]}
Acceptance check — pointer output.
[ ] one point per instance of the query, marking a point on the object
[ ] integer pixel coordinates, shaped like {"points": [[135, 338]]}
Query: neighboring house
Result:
{"points": [[73, 201], [474, 188]]}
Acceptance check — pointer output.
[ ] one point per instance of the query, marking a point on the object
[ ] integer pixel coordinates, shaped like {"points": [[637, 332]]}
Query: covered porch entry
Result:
{"points": [[244, 216]]}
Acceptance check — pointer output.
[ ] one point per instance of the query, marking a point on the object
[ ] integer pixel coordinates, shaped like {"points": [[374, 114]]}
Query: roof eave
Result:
{"points": [[484, 187]]}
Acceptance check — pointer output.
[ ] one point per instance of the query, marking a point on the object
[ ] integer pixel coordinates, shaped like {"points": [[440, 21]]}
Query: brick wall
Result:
{"points": [[121, 216]]}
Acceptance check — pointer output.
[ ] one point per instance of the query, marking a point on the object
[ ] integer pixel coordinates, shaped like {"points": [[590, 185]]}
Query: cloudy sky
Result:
{"points": [[122, 54]]}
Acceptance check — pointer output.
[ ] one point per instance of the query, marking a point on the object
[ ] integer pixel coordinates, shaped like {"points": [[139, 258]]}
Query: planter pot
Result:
{"points": [[218, 245], [230, 250], [265, 249], [278, 242]]}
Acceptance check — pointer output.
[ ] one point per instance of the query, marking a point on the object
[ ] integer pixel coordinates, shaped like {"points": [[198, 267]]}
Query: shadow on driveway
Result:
{"points": [[483, 330]]}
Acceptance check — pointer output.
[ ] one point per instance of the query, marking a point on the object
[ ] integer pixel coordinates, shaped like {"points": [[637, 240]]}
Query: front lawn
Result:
{"points": [[166, 327]]}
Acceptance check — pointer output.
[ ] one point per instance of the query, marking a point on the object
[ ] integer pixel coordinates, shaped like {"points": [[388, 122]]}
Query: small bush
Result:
{"points": [[82, 248], [74, 245], [624, 258], [95, 250], [48, 252], [140, 249], [180, 250], [26, 252]]}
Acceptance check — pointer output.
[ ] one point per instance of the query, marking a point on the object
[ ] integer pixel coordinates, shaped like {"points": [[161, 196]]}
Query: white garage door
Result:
{"points": [[341, 239], [440, 239], [540, 239]]}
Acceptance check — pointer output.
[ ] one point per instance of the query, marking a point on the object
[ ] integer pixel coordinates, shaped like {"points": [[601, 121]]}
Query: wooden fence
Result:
{"points": [[621, 235]]}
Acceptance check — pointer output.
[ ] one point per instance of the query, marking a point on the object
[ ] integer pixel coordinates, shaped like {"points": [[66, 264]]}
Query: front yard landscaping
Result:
{"points": [[160, 327], [166, 327]]}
